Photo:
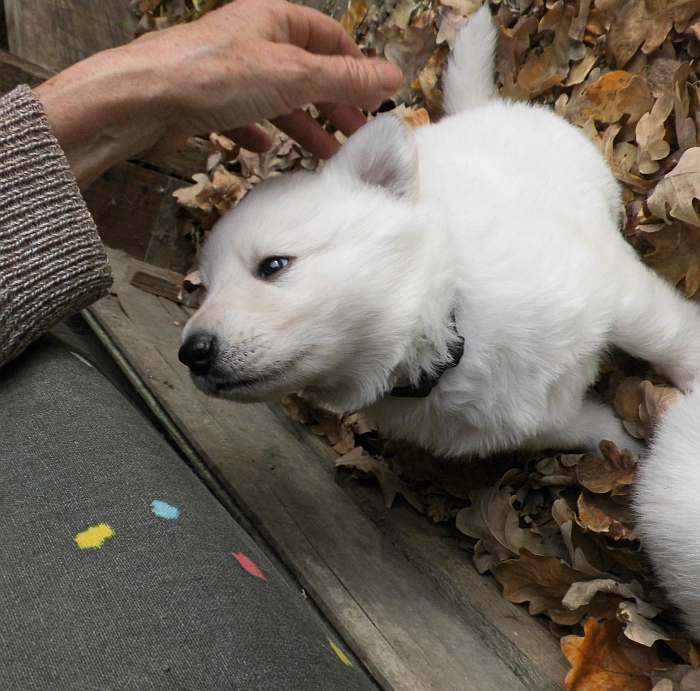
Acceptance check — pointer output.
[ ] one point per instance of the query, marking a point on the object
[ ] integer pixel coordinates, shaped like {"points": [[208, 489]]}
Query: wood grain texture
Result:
{"points": [[56, 33], [127, 202], [404, 625], [15, 70]]}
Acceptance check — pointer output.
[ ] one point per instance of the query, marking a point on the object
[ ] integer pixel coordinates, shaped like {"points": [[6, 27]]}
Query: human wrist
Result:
{"points": [[104, 110]]}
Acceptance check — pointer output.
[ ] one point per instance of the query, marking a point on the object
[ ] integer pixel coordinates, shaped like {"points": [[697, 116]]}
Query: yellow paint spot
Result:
{"points": [[94, 537], [339, 652]]}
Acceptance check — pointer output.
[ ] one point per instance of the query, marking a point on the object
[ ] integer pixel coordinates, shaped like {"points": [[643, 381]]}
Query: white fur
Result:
{"points": [[667, 504], [505, 214]]}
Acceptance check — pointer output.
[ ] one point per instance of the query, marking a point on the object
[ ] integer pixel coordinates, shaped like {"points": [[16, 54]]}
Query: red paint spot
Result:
{"points": [[249, 565]]}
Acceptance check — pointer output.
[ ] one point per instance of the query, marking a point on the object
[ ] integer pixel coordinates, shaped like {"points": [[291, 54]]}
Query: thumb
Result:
{"points": [[360, 82]]}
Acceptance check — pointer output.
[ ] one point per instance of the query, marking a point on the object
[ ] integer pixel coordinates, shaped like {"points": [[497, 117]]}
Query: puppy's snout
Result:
{"points": [[197, 352]]}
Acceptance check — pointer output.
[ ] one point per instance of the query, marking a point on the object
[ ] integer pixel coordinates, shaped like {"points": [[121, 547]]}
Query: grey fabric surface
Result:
{"points": [[163, 604]]}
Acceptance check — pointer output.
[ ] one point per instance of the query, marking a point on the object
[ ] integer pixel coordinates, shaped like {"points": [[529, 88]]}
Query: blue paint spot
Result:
{"points": [[164, 510]]}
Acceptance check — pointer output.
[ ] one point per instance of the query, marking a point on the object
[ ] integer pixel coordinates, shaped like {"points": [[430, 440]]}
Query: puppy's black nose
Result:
{"points": [[197, 352]]}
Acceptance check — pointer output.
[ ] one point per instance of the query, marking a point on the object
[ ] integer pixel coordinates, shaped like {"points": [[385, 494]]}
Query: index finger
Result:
{"points": [[314, 31]]}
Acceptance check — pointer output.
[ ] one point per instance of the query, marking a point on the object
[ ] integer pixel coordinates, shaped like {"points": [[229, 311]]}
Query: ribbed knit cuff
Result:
{"points": [[52, 262]]}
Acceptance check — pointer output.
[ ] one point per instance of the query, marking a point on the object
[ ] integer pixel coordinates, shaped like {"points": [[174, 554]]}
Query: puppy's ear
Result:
{"points": [[383, 154]]}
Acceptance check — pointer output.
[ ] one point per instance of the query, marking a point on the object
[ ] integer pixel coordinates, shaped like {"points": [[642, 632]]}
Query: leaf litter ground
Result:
{"points": [[556, 531]]}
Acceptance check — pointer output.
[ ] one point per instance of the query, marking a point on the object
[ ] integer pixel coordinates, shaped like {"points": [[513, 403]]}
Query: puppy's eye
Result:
{"points": [[272, 265]]}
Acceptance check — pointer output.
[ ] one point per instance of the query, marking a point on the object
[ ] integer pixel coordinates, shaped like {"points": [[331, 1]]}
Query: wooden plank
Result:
{"points": [[3, 28], [56, 33], [157, 281], [409, 633], [15, 70], [127, 202]]}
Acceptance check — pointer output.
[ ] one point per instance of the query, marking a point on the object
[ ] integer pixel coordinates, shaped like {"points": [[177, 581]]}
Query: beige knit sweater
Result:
{"points": [[52, 262]]}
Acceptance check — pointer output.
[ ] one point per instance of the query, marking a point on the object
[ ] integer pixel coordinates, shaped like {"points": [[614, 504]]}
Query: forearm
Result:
{"points": [[104, 110], [52, 262]]}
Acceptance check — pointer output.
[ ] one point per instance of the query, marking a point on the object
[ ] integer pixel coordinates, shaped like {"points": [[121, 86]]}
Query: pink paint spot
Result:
{"points": [[249, 565]]}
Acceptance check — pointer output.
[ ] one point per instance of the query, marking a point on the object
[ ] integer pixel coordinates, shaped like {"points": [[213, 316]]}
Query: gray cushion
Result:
{"points": [[161, 604]]}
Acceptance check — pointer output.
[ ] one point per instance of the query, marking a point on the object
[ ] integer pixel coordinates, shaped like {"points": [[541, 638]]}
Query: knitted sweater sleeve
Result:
{"points": [[52, 263]]}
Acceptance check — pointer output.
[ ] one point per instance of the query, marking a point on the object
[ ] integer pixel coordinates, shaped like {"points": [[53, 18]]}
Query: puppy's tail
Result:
{"points": [[667, 504], [469, 80]]}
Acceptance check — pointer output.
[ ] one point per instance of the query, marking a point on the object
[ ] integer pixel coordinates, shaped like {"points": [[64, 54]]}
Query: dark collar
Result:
{"points": [[428, 381]]}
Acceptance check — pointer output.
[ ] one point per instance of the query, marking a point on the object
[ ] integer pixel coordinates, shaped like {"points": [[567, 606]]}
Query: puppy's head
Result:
{"points": [[309, 280]]}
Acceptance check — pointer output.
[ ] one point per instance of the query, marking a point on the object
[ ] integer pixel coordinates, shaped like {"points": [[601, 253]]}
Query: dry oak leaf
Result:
{"points": [[644, 23], [615, 470], [540, 581], [512, 46], [390, 484], [686, 131], [602, 660], [410, 50], [610, 98], [675, 253], [650, 135], [598, 513], [680, 678], [492, 517], [638, 628], [336, 430], [354, 15], [627, 403], [675, 196], [298, 409], [656, 400], [401, 13], [583, 593], [413, 117], [549, 68]]}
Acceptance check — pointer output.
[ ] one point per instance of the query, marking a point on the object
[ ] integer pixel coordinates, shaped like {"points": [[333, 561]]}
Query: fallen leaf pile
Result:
{"points": [[556, 532]]}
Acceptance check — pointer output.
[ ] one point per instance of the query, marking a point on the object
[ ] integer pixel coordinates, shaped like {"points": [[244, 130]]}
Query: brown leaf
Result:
{"points": [[656, 400], [354, 14], [336, 430], [603, 661], [651, 133], [543, 70], [581, 69], [492, 516], [610, 98], [686, 133], [298, 409], [638, 627], [415, 118], [675, 196], [644, 23], [512, 45], [391, 485], [674, 253], [609, 473], [583, 593], [627, 402], [540, 581], [598, 513]]}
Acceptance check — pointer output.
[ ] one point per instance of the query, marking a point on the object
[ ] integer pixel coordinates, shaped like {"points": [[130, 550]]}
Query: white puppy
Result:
{"points": [[462, 280]]}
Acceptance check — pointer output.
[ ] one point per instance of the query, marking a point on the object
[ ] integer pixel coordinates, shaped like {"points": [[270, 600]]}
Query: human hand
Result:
{"points": [[248, 61]]}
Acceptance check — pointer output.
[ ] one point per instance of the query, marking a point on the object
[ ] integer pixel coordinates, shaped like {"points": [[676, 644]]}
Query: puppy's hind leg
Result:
{"points": [[653, 321], [592, 423]]}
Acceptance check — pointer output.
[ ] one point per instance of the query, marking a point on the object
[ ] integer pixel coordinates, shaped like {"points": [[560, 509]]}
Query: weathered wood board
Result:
{"points": [[406, 599], [56, 33]]}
